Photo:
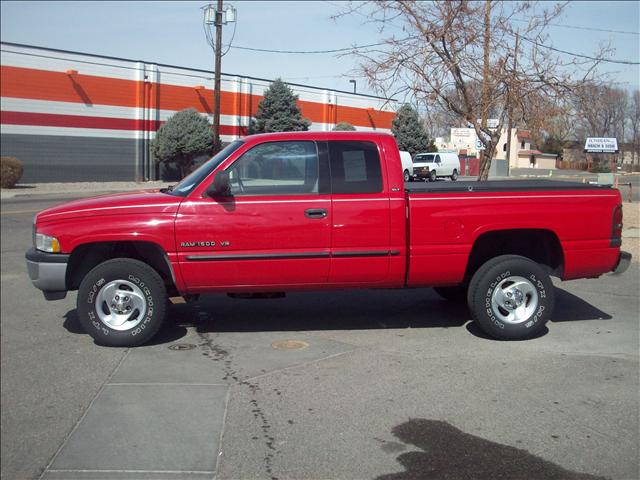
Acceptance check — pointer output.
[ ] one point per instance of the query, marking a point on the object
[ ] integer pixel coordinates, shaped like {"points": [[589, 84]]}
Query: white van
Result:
{"points": [[429, 166], [407, 166]]}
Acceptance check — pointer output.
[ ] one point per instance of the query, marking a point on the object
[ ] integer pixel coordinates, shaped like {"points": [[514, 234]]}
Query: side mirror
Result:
{"points": [[221, 186]]}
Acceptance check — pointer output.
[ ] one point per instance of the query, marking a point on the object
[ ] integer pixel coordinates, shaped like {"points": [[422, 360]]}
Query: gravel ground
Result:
{"points": [[631, 219]]}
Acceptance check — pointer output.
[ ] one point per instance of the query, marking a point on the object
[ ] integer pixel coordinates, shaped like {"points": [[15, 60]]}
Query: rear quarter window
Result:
{"points": [[355, 167]]}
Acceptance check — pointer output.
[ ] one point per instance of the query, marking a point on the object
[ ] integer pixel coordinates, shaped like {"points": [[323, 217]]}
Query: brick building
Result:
{"points": [[73, 116]]}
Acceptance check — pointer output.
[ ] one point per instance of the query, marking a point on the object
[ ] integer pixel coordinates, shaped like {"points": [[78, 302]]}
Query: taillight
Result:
{"points": [[616, 226]]}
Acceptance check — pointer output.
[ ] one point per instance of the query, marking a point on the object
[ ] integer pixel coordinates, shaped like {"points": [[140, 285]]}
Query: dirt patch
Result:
{"points": [[631, 219]]}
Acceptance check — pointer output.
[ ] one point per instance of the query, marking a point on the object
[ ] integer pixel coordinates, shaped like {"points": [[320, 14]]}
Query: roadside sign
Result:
{"points": [[601, 145], [491, 122], [479, 144]]}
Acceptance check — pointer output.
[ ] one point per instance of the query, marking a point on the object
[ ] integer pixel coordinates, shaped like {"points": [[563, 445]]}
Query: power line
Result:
{"points": [[355, 47], [335, 50], [576, 27], [580, 55]]}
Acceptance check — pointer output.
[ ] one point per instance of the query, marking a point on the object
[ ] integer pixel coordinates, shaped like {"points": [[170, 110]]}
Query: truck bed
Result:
{"points": [[499, 186], [446, 220]]}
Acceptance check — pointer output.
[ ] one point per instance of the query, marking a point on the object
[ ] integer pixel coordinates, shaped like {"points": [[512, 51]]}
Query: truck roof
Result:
{"points": [[314, 135]]}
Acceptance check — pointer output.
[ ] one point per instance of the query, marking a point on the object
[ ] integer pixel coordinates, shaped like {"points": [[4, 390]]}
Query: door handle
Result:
{"points": [[315, 213]]}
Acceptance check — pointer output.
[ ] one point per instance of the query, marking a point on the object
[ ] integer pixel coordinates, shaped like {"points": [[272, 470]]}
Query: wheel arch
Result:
{"points": [[539, 245], [86, 256]]}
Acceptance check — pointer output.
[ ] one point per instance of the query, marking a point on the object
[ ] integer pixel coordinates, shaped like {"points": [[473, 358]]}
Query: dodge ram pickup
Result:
{"points": [[323, 210]]}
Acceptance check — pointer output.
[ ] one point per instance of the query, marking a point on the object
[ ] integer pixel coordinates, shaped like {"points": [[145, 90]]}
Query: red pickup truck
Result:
{"points": [[323, 210]]}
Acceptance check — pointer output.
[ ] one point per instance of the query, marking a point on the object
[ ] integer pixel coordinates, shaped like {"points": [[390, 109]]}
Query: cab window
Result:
{"points": [[276, 168]]}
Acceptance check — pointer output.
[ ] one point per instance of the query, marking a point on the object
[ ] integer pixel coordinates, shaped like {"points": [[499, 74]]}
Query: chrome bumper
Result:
{"points": [[623, 263], [48, 272]]}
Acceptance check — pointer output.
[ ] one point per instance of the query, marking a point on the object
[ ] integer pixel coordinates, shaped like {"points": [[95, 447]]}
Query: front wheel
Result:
{"points": [[511, 297], [432, 176], [454, 175], [407, 176], [122, 303]]}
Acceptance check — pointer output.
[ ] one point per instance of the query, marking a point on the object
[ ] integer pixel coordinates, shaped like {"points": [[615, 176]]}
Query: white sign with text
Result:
{"points": [[601, 145]]}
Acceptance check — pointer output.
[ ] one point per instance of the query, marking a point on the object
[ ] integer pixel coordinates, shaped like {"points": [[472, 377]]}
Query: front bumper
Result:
{"points": [[48, 272], [624, 259], [421, 172]]}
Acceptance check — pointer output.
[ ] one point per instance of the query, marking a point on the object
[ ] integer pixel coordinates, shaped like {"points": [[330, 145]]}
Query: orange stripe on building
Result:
{"points": [[74, 87]]}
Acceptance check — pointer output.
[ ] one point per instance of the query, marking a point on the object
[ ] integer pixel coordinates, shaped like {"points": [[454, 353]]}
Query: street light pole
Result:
{"points": [[216, 88]]}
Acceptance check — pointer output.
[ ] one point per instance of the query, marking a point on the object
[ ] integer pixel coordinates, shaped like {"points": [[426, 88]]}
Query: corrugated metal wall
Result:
{"points": [[71, 116]]}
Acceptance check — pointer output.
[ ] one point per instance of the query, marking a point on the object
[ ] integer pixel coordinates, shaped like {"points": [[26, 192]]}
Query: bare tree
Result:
{"points": [[552, 121], [437, 120], [460, 55], [602, 110]]}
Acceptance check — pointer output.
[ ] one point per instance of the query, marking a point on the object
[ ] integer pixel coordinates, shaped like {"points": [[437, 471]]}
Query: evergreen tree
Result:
{"points": [[185, 136], [278, 111], [345, 127], [409, 131]]}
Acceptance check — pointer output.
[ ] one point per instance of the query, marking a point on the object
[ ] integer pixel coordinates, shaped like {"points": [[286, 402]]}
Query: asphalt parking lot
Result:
{"points": [[358, 385]]}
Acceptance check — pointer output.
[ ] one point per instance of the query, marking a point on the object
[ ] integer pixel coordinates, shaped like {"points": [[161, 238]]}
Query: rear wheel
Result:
{"points": [[454, 175], [432, 176], [122, 303], [511, 297]]}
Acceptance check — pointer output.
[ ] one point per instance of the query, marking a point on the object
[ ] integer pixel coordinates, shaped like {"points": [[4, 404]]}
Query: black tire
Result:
{"points": [[432, 176], [407, 176], [454, 175], [144, 297], [513, 280], [456, 294]]}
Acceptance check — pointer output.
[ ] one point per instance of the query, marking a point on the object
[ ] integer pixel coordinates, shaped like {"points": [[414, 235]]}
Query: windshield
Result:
{"points": [[191, 181], [423, 159]]}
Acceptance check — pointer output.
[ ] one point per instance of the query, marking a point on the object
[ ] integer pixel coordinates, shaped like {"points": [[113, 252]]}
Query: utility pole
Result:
{"points": [[216, 88], [510, 102], [485, 162], [217, 16]]}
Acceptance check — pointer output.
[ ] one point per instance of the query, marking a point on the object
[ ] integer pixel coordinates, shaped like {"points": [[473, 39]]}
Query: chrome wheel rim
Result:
{"points": [[514, 300], [121, 305]]}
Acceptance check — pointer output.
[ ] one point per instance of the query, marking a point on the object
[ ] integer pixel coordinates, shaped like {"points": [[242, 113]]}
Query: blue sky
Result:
{"points": [[171, 32]]}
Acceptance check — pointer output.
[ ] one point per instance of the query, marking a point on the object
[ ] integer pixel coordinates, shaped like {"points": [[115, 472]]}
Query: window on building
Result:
{"points": [[522, 144], [504, 147]]}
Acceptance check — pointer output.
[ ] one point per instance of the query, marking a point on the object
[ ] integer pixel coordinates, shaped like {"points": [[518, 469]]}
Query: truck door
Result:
{"points": [[360, 214], [273, 231]]}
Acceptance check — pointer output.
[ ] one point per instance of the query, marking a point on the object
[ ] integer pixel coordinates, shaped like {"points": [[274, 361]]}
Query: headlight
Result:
{"points": [[47, 243]]}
